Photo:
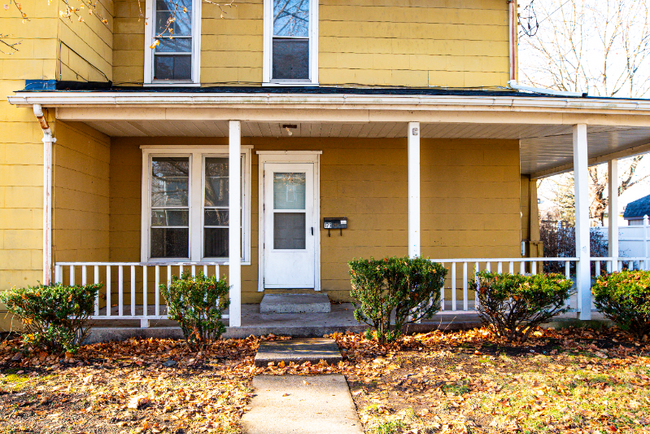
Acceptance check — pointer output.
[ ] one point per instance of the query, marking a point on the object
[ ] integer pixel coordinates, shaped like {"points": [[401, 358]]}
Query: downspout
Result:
{"points": [[48, 141], [512, 32]]}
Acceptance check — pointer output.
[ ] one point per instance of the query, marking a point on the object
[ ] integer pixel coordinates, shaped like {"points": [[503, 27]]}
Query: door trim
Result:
{"points": [[309, 157]]}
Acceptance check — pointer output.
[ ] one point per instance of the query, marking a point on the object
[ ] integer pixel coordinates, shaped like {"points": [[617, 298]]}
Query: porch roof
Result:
{"points": [[543, 124]]}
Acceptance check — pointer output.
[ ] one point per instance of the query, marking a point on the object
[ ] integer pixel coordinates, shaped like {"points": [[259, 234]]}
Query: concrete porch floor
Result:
{"points": [[340, 319]]}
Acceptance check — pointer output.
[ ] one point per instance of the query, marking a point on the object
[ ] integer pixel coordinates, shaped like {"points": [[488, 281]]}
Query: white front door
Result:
{"points": [[290, 225]]}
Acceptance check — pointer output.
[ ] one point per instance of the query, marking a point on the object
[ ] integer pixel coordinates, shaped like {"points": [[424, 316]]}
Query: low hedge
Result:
{"points": [[403, 290], [514, 304], [197, 303], [54, 316], [624, 297]]}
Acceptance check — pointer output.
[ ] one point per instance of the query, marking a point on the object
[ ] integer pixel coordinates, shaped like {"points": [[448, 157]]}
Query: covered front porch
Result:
{"points": [[449, 177]]}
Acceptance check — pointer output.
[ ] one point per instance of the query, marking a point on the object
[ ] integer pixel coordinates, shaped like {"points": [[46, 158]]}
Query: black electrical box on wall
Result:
{"points": [[335, 223]]}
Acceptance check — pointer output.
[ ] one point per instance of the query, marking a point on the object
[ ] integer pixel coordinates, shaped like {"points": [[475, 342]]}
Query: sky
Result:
{"points": [[574, 44]]}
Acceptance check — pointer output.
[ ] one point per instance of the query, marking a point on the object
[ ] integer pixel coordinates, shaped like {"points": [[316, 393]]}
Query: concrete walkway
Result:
{"points": [[309, 404]]}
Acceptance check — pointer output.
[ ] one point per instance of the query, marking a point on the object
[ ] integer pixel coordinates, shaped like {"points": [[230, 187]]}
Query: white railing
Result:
{"points": [[458, 277], [130, 290]]}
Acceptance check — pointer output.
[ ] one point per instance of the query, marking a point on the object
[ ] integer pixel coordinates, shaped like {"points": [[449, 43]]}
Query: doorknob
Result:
{"points": [[312, 231]]}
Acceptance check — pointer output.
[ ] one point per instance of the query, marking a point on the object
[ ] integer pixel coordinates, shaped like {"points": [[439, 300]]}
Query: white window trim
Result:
{"points": [[267, 67], [312, 157], [197, 157], [150, 28]]}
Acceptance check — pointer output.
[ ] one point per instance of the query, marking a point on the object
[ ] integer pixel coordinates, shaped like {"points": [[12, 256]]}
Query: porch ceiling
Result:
{"points": [[545, 148], [543, 125]]}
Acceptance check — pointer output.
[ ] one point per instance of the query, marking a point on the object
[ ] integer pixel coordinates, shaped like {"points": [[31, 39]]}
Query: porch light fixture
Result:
{"points": [[290, 127]]}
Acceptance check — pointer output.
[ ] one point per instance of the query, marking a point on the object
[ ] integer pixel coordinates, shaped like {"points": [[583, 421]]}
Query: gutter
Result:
{"points": [[156, 100], [514, 85], [512, 32], [48, 141]]}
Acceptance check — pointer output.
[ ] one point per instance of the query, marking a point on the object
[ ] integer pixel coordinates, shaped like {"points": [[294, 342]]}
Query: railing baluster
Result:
{"points": [[145, 286], [108, 290], [476, 303], [597, 268], [500, 267], [442, 293], [567, 269], [522, 267], [133, 290], [488, 267], [465, 289], [58, 274], [84, 275], [205, 270], [193, 270], [533, 267], [511, 267], [72, 275], [96, 281], [157, 291], [120, 290], [180, 270], [169, 275], [453, 287]]}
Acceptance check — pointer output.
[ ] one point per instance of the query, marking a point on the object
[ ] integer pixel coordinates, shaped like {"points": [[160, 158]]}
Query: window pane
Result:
{"points": [[215, 243], [216, 182], [169, 243], [291, 59], [169, 182], [176, 45], [182, 21], [216, 217], [289, 231], [291, 18], [288, 191], [162, 217], [177, 67]]}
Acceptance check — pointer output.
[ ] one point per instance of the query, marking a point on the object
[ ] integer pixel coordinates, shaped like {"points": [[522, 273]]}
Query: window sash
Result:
{"points": [[197, 227]]}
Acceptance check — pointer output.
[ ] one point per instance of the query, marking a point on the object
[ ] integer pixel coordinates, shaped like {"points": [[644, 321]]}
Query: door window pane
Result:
{"points": [[289, 190], [289, 231]]}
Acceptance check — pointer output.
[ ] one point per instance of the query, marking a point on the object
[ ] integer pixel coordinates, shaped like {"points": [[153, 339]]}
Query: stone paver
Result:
{"points": [[301, 404], [298, 351]]}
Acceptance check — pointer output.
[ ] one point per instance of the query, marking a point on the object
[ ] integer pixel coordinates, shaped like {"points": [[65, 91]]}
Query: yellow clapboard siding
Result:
{"points": [[468, 208]]}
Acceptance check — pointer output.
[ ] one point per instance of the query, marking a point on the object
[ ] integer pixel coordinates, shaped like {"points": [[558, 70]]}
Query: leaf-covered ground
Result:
{"points": [[567, 381], [573, 381]]}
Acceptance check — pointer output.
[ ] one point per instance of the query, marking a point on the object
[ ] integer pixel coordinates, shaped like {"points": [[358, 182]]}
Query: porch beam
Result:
{"points": [[414, 249], [581, 177], [234, 235], [612, 168]]}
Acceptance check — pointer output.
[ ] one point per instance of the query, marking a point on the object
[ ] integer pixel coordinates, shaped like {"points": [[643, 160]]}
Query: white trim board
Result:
{"points": [[312, 157]]}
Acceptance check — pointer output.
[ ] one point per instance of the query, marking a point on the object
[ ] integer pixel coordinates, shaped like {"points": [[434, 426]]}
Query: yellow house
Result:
{"points": [[354, 129]]}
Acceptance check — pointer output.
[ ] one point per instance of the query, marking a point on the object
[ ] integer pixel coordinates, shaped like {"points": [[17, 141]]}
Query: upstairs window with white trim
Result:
{"points": [[185, 206], [291, 41], [173, 43]]}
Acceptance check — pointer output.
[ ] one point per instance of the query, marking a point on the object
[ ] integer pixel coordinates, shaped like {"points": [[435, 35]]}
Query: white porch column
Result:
{"points": [[234, 235], [612, 168], [581, 176], [414, 189]]}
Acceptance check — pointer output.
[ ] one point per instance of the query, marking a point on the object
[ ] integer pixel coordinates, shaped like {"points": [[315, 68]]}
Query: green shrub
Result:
{"points": [[515, 304], [402, 289], [54, 316], [625, 299], [197, 303]]}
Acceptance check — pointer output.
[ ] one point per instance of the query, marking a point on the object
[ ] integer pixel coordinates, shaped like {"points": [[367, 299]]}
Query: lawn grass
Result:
{"points": [[572, 381]]}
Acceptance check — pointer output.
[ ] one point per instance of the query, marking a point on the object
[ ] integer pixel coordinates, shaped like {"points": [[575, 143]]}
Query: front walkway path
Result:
{"points": [[309, 404]]}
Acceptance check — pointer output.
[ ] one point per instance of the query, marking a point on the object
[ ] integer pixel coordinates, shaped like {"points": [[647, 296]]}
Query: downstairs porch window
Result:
{"points": [[187, 207]]}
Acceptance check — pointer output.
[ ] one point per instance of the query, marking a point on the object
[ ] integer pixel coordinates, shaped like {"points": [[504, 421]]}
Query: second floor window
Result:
{"points": [[173, 48], [291, 41]]}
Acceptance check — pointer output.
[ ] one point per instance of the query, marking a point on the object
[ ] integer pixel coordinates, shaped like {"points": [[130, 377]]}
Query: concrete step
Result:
{"points": [[295, 303], [298, 351]]}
